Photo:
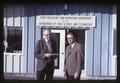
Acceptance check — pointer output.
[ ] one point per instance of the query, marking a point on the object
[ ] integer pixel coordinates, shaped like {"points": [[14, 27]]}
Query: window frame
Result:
{"points": [[114, 40], [6, 42]]}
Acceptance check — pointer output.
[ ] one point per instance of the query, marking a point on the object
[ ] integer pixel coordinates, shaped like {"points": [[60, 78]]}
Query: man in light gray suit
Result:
{"points": [[45, 50], [73, 59]]}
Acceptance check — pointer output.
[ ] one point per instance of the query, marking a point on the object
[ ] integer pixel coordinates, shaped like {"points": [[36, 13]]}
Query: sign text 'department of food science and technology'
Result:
{"points": [[65, 21]]}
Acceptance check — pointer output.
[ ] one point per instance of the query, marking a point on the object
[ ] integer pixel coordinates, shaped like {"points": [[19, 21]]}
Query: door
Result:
{"points": [[59, 36]]}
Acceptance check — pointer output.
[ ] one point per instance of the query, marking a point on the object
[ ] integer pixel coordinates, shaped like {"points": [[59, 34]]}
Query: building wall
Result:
{"points": [[98, 43], [13, 17]]}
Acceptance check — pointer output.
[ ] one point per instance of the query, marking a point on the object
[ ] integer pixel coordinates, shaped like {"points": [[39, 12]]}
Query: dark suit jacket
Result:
{"points": [[73, 59], [39, 52]]}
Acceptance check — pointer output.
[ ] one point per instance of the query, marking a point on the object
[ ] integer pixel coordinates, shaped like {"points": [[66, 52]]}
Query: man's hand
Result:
{"points": [[76, 75], [48, 55]]}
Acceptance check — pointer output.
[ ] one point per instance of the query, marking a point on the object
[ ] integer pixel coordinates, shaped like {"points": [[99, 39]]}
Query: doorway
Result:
{"points": [[59, 35]]}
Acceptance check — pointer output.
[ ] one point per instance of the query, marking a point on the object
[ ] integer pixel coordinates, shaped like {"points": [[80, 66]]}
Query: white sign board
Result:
{"points": [[65, 21]]}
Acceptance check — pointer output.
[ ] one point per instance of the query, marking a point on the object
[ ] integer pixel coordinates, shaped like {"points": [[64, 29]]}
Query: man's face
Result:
{"points": [[47, 34], [70, 39]]}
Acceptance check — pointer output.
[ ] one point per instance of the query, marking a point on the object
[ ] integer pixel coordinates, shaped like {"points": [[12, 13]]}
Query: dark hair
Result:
{"points": [[70, 33]]}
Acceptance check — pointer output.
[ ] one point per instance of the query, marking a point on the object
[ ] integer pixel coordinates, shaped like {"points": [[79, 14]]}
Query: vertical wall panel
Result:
{"points": [[16, 63], [60, 9], [82, 10], [112, 24], [69, 10], [9, 63], [45, 10], [97, 41], [104, 54], [75, 9], [4, 63], [25, 40], [31, 40], [89, 45], [66, 12], [21, 70], [10, 16], [17, 15], [52, 9]]}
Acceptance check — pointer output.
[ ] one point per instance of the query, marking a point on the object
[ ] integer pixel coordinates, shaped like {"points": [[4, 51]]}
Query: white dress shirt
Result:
{"points": [[72, 44]]}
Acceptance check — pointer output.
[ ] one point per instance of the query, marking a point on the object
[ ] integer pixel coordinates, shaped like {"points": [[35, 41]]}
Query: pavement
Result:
{"points": [[14, 76]]}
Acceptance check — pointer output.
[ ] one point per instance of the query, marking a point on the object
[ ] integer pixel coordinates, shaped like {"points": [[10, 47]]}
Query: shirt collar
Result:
{"points": [[73, 44], [46, 40]]}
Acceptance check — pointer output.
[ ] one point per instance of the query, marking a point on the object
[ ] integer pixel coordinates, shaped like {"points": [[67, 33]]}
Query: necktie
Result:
{"points": [[49, 50], [49, 46], [70, 46]]}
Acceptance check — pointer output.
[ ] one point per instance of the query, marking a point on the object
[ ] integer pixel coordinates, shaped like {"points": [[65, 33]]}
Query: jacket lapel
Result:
{"points": [[70, 50], [73, 47]]}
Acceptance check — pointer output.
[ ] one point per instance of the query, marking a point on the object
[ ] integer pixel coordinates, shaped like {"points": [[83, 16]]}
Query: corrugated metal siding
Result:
{"points": [[98, 39], [29, 39], [111, 39], [90, 46], [100, 43], [104, 42]]}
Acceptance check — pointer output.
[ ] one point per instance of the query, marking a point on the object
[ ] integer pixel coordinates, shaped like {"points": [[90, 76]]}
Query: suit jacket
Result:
{"points": [[39, 52], [73, 59]]}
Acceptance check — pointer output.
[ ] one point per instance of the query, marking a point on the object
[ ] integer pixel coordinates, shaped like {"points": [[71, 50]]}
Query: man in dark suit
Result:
{"points": [[73, 59], [44, 50]]}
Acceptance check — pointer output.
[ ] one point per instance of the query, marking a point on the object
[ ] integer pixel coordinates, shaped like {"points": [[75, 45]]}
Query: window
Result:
{"points": [[13, 39]]}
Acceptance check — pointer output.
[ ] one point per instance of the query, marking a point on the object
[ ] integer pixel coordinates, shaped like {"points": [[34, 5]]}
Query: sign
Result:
{"points": [[64, 21]]}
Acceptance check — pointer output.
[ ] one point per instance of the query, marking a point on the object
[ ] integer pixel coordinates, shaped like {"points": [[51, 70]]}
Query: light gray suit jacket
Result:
{"points": [[73, 59]]}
